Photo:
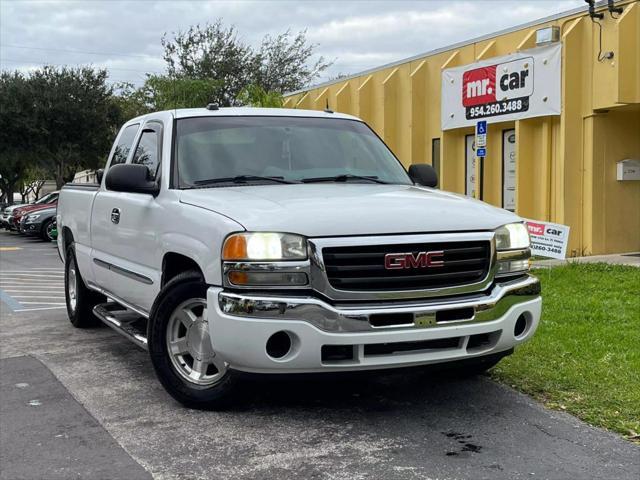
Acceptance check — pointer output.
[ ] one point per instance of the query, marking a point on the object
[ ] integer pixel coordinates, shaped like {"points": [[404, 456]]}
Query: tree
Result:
{"points": [[18, 134], [75, 117], [166, 93], [32, 181], [256, 96], [215, 52], [282, 63]]}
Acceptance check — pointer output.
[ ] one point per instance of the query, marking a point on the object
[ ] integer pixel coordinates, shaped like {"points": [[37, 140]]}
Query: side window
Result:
{"points": [[125, 142], [147, 151]]}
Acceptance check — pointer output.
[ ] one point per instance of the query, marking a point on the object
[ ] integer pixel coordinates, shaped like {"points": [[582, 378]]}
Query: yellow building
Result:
{"points": [[560, 168]]}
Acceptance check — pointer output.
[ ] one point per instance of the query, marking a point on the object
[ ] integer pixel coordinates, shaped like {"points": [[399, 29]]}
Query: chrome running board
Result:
{"points": [[127, 323]]}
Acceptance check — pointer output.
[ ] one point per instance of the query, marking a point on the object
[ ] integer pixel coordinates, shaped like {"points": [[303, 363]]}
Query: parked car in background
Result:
{"points": [[6, 214], [39, 223], [54, 230], [45, 202]]}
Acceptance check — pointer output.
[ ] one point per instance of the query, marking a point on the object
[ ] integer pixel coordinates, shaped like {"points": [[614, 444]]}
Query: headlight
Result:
{"points": [[512, 245], [257, 246], [266, 260], [512, 236], [31, 218]]}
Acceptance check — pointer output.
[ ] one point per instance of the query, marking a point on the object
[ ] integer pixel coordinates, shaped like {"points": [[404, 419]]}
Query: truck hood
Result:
{"points": [[338, 209]]}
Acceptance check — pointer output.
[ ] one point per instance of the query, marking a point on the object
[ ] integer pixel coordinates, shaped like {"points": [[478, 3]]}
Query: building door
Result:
{"points": [[509, 170], [470, 166]]}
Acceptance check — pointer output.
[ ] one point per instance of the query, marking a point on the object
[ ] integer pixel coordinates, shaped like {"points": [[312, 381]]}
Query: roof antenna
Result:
{"points": [[328, 110]]}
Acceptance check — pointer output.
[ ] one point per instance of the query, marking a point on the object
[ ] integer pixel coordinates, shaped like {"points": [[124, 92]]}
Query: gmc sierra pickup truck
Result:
{"points": [[287, 241]]}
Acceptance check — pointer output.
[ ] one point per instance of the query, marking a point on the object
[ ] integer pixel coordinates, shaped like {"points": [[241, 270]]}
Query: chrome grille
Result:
{"points": [[362, 268]]}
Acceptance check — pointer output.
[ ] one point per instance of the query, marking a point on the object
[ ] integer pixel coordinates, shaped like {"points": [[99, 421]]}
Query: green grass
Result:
{"points": [[585, 356]]}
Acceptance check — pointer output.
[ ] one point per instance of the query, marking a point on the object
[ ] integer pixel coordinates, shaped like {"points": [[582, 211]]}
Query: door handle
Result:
{"points": [[115, 215]]}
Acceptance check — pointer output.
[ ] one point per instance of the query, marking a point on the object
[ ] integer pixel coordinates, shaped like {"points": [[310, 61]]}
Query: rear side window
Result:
{"points": [[125, 142], [147, 151]]}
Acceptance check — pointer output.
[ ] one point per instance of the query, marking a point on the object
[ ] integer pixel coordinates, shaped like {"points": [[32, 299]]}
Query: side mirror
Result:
{"points": [[132, 178], [423, 174], [99, 175]]}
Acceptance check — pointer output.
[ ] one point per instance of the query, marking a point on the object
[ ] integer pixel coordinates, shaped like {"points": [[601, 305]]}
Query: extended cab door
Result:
{"points": [[100, 216], [125, 236]]}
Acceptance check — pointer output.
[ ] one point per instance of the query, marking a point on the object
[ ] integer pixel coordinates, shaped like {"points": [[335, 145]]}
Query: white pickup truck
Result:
{"points": [[287, 241]]}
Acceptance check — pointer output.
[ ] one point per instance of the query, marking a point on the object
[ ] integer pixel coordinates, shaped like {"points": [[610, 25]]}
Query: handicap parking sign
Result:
{"points": [[481, 127]]}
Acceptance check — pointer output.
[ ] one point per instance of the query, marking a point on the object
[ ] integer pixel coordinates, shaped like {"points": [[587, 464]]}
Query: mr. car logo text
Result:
{"points": [[498, 89]]}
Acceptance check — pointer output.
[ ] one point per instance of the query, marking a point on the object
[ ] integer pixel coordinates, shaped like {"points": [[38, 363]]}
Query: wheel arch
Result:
{"points": [[174, 263], [67, 239]]}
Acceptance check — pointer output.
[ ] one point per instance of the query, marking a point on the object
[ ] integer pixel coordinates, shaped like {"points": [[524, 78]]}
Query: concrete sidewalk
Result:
{"points": [[46, 433], [631, 259]]}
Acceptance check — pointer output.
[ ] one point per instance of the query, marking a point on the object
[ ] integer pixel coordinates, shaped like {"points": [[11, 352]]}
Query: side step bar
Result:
{"points": [[125, 322]]}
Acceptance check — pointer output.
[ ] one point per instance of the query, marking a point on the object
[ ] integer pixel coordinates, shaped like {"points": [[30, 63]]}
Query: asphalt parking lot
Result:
{"points": [[86, 404]]}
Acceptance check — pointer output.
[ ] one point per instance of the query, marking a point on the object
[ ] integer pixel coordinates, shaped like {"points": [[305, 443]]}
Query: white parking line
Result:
{"points": [[37, 309], [31, 281], [30, 275], [35, 270], [33, 289], [42, 303], [29, 288], [36, 287], [38, 296], [35, 292]]}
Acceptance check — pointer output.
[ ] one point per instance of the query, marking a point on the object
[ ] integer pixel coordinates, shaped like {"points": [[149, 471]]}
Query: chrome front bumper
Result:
{"points": [[241, 324]]}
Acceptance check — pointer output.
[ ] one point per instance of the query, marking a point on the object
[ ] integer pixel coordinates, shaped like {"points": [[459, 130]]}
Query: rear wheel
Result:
{"points": [[181, 349], [80, 300]]}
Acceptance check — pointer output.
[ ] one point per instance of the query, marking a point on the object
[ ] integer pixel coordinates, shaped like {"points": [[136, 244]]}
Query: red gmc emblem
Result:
{"points": [[398, 261]]}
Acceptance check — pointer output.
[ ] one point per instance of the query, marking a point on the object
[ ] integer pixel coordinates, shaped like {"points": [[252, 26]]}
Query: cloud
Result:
{"points": [[124, 36]]}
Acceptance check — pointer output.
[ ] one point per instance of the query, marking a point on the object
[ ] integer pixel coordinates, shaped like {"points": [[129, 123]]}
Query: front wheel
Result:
{"points": [[80, 300], [180, 346]]}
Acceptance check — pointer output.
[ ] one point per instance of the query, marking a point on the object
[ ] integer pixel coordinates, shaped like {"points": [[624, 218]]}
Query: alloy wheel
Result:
{"points": [[72, 286], [189, 344]]}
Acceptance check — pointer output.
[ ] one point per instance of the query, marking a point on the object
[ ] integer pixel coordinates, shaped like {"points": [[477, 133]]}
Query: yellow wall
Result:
{"points": [[566, 165]]}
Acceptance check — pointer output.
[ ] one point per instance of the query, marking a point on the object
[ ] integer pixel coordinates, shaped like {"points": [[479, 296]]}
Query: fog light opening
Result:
{"points": [[522, 326], [279, 345]]}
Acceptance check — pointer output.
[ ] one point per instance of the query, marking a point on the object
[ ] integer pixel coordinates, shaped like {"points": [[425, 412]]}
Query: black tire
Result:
{"points": [[176, 292], [81, 313], [476, 366], [44, 231]]}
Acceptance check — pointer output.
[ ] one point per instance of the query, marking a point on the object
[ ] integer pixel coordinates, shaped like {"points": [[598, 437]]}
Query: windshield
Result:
{"points": [[292, 149], [52, 197]]}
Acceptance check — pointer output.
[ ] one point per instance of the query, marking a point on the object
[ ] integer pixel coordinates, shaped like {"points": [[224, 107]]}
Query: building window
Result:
{"points": [[435, 158]]}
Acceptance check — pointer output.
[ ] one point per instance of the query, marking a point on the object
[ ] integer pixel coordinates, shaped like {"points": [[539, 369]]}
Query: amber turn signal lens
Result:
{"points": [[235, 248], [238, 278]]}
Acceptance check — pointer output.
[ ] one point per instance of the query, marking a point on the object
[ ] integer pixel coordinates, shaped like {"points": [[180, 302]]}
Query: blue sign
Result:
{"points": [[481, 127], [481, 152]]}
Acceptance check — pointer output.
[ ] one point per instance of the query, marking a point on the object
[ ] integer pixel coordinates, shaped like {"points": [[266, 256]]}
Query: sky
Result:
{"points": [[124, 36]]}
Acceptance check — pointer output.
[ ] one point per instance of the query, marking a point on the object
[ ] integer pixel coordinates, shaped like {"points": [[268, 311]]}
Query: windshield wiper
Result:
{"points": [[241, 179], [343, 178]]}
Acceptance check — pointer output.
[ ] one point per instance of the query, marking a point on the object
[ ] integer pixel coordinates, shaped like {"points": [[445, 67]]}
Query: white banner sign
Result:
{"points": [[520, 85], [548, 239]]}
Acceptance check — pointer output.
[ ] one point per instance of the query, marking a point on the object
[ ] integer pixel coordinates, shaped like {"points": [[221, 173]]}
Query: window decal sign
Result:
{"points": [[520, 85], [548, 239]]}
